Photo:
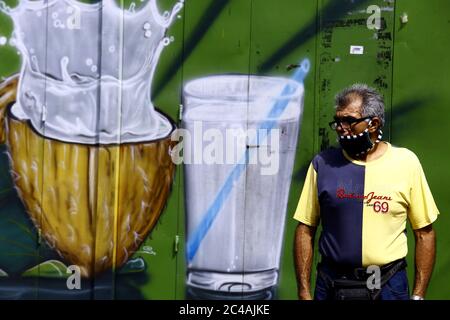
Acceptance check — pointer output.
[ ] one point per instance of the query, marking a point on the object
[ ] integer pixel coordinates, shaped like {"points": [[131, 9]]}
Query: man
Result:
{"points": [[362, 194]]}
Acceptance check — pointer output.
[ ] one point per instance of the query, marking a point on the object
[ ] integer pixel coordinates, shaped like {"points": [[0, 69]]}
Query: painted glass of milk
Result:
{"points": [[238, 154]]}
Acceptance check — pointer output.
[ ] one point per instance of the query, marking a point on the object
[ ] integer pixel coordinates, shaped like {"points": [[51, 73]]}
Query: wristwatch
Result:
{"points": [[416, 297]]}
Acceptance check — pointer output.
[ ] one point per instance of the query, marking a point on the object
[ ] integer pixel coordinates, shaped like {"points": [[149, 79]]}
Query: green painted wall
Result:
{"points": [[408, 62]]}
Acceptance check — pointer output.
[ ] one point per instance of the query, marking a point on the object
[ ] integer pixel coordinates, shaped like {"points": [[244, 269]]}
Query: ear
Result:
{"points": [[375, 124]]}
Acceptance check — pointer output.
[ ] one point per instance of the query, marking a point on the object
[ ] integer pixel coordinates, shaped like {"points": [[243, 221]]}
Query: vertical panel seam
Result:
{"points": [[392, 72]]}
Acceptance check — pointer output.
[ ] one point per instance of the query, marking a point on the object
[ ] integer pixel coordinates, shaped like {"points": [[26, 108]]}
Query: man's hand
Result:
{"points": [[303, 256], [304, 295], [424, 258]]}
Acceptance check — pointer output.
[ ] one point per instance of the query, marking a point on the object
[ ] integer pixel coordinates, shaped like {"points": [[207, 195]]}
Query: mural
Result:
{"points": [[82, 107], [153, 146], [88, 113], [235, 220]]}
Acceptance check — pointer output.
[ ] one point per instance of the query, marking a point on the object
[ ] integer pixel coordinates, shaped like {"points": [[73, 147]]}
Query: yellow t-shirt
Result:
{"points": [[363, 207]]}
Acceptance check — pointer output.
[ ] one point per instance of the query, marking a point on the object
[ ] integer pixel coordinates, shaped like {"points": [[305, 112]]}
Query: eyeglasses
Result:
{"points": [[346, 122]]}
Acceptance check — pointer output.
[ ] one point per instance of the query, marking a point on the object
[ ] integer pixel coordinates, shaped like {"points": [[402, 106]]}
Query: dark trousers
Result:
{"points": [[396, 288]]}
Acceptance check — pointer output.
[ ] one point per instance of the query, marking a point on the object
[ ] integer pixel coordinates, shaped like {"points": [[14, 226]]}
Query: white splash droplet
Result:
{"points": [[4, 8], [12, 42], [35, 63], [57, 24], [83, 69], [172, 39], [65, 70]]}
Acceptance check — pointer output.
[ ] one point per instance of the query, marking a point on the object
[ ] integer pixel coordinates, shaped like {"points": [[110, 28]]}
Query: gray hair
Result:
{"points": [[372, 101]]}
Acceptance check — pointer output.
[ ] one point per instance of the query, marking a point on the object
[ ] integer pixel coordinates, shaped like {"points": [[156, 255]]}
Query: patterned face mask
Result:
{"points": [[356, 145]]}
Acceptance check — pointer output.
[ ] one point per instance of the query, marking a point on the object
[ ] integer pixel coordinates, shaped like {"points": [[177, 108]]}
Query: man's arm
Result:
{"points": [[303, 255], [424, 258]]}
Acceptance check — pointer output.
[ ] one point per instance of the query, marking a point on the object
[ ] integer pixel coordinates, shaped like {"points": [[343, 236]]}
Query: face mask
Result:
{"points": [[356, 145]]}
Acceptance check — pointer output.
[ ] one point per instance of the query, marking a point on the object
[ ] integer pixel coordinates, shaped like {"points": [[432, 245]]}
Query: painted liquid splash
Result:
{"points": [[87, 69]]}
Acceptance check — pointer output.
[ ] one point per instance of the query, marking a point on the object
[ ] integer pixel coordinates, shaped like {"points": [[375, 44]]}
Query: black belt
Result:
{"points": [[350, 283], [360, 273]]}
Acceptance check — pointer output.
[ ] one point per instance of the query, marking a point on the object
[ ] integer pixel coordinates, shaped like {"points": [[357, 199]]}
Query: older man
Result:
{"points": [[362, 194]]}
